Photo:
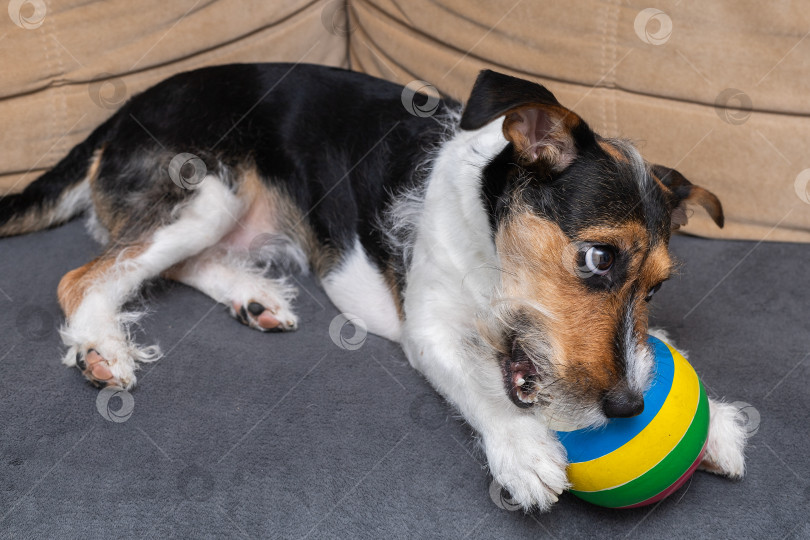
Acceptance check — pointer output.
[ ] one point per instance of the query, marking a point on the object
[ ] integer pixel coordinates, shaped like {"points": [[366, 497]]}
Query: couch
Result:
{"points": [[241, 434]]}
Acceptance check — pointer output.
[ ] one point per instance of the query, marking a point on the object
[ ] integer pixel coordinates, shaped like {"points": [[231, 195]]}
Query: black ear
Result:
{"points": [[494, 94], [682, 192], [536, 124]]}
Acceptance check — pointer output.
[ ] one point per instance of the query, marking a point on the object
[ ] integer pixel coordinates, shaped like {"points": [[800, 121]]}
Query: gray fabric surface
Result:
{"points": [[241, 434]]}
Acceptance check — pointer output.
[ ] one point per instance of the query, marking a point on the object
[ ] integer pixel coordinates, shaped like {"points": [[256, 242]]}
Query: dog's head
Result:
{"points": [[581, 226]]}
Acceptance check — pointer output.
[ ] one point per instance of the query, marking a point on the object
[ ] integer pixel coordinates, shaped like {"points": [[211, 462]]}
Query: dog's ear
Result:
{"points": [[536, 124], [682, 192]]}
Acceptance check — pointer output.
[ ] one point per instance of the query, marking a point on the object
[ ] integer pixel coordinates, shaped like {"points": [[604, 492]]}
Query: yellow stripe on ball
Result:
{"points": [[652, 445]]}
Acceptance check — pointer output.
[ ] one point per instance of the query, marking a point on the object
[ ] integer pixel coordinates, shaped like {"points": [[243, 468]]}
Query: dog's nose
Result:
{"points": [[621, 402]]}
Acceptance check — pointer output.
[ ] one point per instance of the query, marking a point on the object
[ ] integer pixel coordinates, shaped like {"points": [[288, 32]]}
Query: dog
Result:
{"points": [[507, 247]]}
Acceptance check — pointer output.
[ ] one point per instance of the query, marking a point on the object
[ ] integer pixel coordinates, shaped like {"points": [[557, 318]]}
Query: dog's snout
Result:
{"points": [[622, 402]]}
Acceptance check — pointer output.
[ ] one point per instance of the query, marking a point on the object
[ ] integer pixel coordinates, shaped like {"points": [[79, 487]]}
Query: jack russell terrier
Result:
{"points": [[510, 249]]}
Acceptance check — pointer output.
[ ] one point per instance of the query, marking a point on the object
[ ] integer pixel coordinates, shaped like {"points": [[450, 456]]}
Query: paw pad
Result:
{"points": [[95, 368], [256, 315]]}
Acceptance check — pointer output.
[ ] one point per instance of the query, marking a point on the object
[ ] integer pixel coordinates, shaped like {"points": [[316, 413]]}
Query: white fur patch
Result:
{"points": [[232, 279], [95, 229], [638, 356], [356, 286], [639, 166], [663, 335], [401, 220], [72, 201], [453, 249], [452, 281], [725, 449]]}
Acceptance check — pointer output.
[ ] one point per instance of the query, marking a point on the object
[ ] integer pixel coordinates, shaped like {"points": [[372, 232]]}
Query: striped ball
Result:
{"points": [[640, 460]]}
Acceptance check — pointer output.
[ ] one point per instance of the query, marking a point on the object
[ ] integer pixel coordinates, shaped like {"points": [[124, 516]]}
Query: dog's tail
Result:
{"points": [[59, 194]]}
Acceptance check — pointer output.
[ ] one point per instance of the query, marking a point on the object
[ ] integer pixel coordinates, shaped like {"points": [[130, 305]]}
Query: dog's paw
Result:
{"points": [[267, 317], [111, 368], [728, 434], [106, 359], [529, 462]]}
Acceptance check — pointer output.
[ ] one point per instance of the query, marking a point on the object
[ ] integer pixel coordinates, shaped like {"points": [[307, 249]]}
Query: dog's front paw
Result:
{"points": [[529, 461], [729, 429]]}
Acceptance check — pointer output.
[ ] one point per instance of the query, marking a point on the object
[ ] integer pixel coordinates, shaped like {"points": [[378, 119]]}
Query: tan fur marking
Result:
{"points": [[538, 262], [612, 151], [696, 195], [95, 165], [273, 205], [661, 185], [657, 267], [74, 285], [709, 201], [112, 221], [583, 324], [624, 236]]}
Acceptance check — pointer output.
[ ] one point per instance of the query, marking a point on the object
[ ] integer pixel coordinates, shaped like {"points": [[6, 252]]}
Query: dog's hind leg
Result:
{"points": [[253, 299], [96, 330]]}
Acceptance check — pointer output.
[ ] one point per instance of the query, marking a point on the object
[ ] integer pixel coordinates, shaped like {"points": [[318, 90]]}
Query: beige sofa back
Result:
{"points": [[79, 60], [718, 90]]}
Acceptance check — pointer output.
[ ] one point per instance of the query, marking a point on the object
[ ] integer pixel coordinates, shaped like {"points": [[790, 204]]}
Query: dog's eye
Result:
{"points": [[599, 260], [652, 292]]}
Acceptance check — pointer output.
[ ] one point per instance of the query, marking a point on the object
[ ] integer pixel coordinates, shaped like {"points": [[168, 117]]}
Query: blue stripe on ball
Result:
{"points": [[588, 444]]}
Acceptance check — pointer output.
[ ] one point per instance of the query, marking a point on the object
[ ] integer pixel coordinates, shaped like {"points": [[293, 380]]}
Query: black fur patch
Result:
{"points": [[340, 144], [595, 190], [494, 94]]}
